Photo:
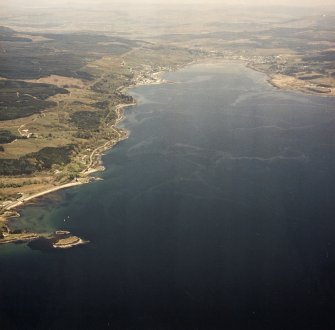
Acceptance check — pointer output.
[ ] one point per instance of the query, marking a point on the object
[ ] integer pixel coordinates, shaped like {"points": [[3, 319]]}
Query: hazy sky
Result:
{"points": [[70, 3], [147, 16]]}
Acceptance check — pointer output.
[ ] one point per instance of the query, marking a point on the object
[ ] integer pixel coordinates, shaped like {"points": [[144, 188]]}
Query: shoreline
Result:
{"points": [[10, 209], [296, 87], [95, 157], [289, 88], [93, 166]]}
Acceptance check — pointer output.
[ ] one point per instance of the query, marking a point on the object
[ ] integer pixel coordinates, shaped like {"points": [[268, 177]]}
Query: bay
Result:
{"points": [[217, 212]]}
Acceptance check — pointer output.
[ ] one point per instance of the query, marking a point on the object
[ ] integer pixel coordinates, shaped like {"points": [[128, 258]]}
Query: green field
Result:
{"points": [[21, 99]]}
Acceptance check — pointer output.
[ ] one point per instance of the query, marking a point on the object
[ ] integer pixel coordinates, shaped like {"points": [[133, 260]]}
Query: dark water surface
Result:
{"points": [[218, 212]]}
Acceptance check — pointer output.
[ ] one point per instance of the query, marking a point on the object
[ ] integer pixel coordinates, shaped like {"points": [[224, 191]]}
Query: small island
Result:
{"points": [[60, 239], [69, 242]]}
